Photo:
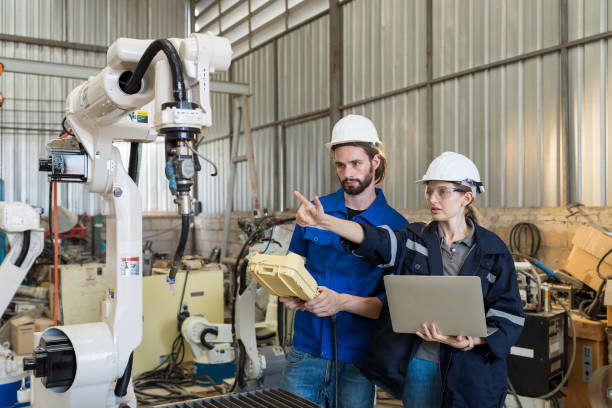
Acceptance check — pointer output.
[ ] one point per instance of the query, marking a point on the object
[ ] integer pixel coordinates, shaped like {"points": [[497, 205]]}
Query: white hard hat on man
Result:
{"points": [[354, 129], [456, 168]]}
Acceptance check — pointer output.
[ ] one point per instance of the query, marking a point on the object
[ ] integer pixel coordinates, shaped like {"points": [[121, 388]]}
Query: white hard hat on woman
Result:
{"points": [[456, 168]]}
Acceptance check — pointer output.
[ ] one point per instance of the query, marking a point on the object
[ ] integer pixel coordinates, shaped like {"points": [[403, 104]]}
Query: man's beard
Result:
{"points": [[361, 185]]}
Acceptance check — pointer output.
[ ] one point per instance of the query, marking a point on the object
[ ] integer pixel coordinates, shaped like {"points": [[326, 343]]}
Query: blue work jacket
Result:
{"points": [[333, 267], [474, 378]]}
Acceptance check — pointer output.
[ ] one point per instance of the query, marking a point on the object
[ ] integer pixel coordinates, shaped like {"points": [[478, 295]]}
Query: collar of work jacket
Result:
{"points": [[485, 241], [334, 203]]}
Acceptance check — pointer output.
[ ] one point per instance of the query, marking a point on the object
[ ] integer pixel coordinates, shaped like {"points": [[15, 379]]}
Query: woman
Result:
{"points": [[430, 369]]}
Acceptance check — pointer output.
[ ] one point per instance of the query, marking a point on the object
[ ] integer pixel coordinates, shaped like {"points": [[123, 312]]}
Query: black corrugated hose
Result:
{"points": [[25, 247], [181, 246], [176, 68], [131, 85]]}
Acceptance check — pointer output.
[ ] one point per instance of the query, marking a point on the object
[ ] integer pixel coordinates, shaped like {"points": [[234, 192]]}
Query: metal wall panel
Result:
{"points": [[384, 46], [469, 33], [34, 104], [303, 69], [264, 146], [401, 124], [506, 119], [257, 70], [307, 161], [589, 90], [212, 190]]}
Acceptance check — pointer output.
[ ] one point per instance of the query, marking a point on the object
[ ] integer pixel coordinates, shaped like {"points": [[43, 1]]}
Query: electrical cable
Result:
{"points": [[590, 308], [25, 247], [132, 83], [335, 329], [536, 263], [513, 391], [133, 162], [525, 231], [180, 249], [122, 383], [55, 253], [194, 151], [599, 264]]}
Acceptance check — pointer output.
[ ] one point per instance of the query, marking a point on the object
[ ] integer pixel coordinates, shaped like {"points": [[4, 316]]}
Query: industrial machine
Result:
{"points": [[212, 349], [90, 364], [538, 361], [25, 236]]}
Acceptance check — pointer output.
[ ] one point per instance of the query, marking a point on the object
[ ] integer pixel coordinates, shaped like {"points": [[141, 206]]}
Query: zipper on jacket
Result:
{"points": [[466, 257]]}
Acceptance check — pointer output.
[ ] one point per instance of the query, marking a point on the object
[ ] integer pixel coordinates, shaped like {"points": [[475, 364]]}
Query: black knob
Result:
{"points": [[54, 361], [44, 165], [29, 363]]}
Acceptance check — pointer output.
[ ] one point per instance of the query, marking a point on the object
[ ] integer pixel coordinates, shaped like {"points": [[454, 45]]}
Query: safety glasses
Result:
{"points": [[442, 192]]}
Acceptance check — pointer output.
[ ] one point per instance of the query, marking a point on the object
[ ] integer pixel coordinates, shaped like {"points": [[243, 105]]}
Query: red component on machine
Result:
{"points": [[79, 231]]}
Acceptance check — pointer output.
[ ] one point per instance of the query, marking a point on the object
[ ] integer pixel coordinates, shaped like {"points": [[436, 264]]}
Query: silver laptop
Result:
{"points": [[454, 303]]}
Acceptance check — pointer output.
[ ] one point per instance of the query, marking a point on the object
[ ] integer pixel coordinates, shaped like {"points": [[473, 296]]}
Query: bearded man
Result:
{"points": [[350, 289]]}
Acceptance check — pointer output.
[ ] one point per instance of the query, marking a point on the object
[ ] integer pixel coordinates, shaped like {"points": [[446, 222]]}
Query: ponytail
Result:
{"points": [[472, 212]]}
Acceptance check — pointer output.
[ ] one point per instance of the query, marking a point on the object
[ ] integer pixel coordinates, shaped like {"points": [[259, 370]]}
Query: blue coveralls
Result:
{"points": [[474, 378], [336, 269]]}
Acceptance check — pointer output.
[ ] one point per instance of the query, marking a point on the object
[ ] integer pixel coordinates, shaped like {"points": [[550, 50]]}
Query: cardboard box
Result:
{"points": [[589, 246], [42, 323], [22, 335], [588, 329]]}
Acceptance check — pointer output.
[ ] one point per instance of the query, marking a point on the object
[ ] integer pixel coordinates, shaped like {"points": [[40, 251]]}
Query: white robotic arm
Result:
{"points": [[22, 226], [126, 101], [211, 343]]}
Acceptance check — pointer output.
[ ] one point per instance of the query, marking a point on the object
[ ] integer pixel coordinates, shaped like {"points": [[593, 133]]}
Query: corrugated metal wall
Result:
{"points": [[589, 87], [506, 118], [33, 106], [384, 50]]}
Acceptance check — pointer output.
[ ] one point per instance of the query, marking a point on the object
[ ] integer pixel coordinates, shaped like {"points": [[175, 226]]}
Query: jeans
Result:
{"points": [[312, 377], [423, 388]]}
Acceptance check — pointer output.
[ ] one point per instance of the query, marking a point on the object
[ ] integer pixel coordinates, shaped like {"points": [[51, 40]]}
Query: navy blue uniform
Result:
{"points": [[474, 378]]}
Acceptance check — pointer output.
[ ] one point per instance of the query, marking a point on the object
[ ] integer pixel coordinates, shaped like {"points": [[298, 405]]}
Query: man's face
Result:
{"points": [[354, 169]]}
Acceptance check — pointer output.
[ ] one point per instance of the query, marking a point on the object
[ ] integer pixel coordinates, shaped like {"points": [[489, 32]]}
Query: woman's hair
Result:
{"points": [[371, 151], [470, 210]]}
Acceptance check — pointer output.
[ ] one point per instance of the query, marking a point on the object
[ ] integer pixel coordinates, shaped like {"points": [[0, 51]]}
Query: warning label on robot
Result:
{"points": [[129, 266], [142, 116], [139, 116]]}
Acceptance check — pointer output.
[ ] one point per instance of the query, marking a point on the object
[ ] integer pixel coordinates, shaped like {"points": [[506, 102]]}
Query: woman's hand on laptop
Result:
{"points": [[430, 332]]}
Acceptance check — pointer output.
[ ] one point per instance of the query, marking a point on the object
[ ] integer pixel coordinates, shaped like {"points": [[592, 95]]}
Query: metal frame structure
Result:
{"points": [[336, 106]]}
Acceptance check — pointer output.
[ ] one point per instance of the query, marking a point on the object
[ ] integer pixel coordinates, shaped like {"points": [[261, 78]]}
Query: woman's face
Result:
{"points": [[446, 200]]}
